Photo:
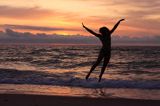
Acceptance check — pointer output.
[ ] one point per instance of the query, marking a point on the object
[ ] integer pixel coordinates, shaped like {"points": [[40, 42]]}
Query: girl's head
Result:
{"points": [[104, 30]]}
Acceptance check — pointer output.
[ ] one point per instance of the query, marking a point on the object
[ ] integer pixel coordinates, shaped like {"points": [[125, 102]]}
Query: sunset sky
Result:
{"points": [[65, 16]]}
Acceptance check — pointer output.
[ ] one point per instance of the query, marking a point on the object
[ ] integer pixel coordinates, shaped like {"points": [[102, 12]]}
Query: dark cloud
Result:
{"points": [[27, 27], [10, 36], [143, 40], [36, 28]]}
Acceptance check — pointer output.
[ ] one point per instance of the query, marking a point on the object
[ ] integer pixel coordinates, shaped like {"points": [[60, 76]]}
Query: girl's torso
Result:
{"points": [[106, 42], [106, 45]]}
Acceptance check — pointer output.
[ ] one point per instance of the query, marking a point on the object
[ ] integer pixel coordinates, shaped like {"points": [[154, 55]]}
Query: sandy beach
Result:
{"points": [[45, 100]]}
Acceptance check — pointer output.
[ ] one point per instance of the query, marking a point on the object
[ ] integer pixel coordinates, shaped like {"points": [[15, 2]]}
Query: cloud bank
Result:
{"points": [[10, 36], [29, 27]]}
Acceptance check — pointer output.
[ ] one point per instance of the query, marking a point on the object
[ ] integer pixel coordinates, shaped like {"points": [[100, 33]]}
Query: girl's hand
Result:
{"points": [[122, 20], [83, 25]]}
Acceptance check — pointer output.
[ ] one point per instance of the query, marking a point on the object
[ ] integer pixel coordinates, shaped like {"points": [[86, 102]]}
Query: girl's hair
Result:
{"points": [[103, 30]]}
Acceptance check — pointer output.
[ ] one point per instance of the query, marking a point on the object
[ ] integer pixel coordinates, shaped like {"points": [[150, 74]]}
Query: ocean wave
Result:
{"points": [[12, 76]]}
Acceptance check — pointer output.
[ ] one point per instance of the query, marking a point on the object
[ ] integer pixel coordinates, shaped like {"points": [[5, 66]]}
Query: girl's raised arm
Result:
{"points": [[116, 25], [89, 30]]}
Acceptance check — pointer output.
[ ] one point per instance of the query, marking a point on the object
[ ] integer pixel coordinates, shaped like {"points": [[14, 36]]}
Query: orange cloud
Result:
{"points": [[24, 13], [142, 17]]}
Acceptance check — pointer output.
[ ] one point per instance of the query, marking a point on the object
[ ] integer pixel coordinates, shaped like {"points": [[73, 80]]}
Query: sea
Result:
{"points": [[57, 69]]}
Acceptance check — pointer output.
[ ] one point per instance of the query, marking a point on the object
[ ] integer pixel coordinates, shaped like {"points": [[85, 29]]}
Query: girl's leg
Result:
{"points": [[99, 59], [105, 63]]}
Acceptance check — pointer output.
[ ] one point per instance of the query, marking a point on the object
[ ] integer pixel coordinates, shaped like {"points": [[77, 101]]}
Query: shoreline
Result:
{"points": [[50, 100], [144, 94]]}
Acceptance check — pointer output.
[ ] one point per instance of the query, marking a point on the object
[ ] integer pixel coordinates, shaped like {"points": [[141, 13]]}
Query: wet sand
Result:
{"points": [[46, 100]]}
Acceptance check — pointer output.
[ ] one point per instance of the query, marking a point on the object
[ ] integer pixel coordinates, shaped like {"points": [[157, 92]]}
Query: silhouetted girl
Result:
{"points": [[105, 52]]}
